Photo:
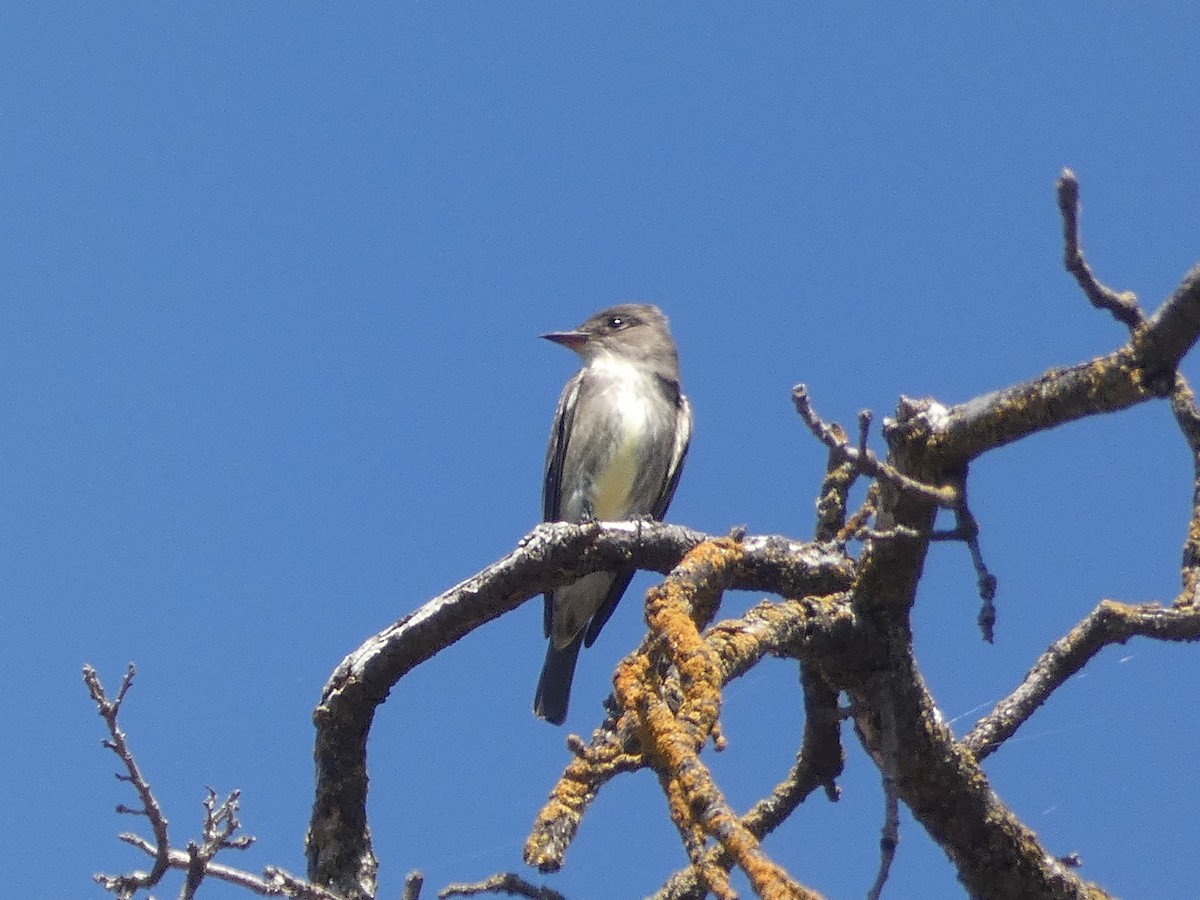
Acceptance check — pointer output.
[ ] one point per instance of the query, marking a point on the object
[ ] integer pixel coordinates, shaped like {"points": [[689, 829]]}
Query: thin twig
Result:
{"points": [[967, 530], [274, 882], [1109, 623], [890, 752], [501, 883], [125, 886], [1122, 305], [220, 823], [866, 460]]}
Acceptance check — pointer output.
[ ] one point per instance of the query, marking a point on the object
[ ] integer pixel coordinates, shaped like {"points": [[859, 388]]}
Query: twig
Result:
{"points": [[967, 530], [1122, 305], [1109, 623], [1141, 370], [274, 882], [889, 763], [856, 527], [834, 438], [413, 882], [864, 426], [832, 501], [125, 886], [501, 883], [220, 823]]}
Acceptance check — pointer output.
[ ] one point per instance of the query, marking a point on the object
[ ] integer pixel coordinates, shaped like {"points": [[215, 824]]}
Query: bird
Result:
{"points": [[620, 435]]}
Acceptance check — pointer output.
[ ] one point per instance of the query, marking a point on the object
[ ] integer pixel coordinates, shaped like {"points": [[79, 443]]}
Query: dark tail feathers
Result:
{"points": [[554, 687]]}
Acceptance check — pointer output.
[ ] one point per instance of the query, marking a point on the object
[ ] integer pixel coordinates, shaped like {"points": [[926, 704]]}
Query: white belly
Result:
{"points": [[615, 484], [613, 488]]}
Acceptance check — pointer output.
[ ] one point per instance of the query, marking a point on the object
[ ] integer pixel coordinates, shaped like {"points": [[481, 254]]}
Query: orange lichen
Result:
{"points": [[672, 741], [672, 718]]}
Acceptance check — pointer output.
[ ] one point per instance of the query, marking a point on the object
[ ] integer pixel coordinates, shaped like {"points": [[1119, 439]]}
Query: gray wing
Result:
{"points": [[683, 437], [556, 452]]}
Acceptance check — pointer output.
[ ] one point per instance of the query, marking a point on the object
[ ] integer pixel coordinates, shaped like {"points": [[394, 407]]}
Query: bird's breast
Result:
{"points": [[613, 497]]}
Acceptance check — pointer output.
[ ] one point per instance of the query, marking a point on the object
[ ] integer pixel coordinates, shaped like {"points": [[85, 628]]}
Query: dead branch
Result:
{"points": [[504, 883], [220, 824], [125, 886], [668, 692], [339, 848], [1109, 623]]}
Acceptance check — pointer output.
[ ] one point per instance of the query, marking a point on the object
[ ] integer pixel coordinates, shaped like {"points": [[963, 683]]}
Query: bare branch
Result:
{"points": [[339, 849], [1168, 335], [274, 882], [1123, 306], [814, 627], [280, 881], [1109, 623], [834, 437], [967, 530], [818, 763], [938, 780], [833, 498], [413, 882], [672, 740], [220, 823], [996, 855], [502, 883], [1141, 370], [888, 766], [665, 736], [126, 885], [1183, 405]]}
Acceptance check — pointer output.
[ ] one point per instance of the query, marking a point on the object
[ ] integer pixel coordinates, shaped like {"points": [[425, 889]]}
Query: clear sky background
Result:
{"points": [[272, 280]]}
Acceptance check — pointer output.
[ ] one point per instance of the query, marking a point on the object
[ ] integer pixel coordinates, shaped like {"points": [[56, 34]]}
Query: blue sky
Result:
{"points": [[270, 378]]}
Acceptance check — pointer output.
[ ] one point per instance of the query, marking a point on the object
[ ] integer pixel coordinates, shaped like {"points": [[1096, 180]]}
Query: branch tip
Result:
{"points": [[1122, 306]]}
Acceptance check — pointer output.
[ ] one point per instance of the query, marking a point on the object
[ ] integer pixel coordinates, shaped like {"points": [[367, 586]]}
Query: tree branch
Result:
{"points": [[1187, 416], [834, 437], [274, 882], [818, 763], [669, 690], [1123, 306], [553, 554], [1109, 623], [814, 627], [220, 824], [125, 886], [502, 883], [672, 739], [1141, 370], [888, 763]]}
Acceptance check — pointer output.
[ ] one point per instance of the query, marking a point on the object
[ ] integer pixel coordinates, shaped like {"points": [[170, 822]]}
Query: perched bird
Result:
{"points": [[620, 434]]}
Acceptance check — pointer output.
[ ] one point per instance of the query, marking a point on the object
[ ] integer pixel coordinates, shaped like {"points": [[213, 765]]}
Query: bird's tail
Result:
{"points": [[554, 687]]}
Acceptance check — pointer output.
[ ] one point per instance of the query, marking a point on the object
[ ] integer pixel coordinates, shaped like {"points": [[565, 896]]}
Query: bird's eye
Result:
{"points": [[615, 322]]}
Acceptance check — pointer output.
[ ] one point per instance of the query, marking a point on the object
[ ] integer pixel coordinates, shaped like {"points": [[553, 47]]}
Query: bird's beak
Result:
{"points": [[571, 339]]}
